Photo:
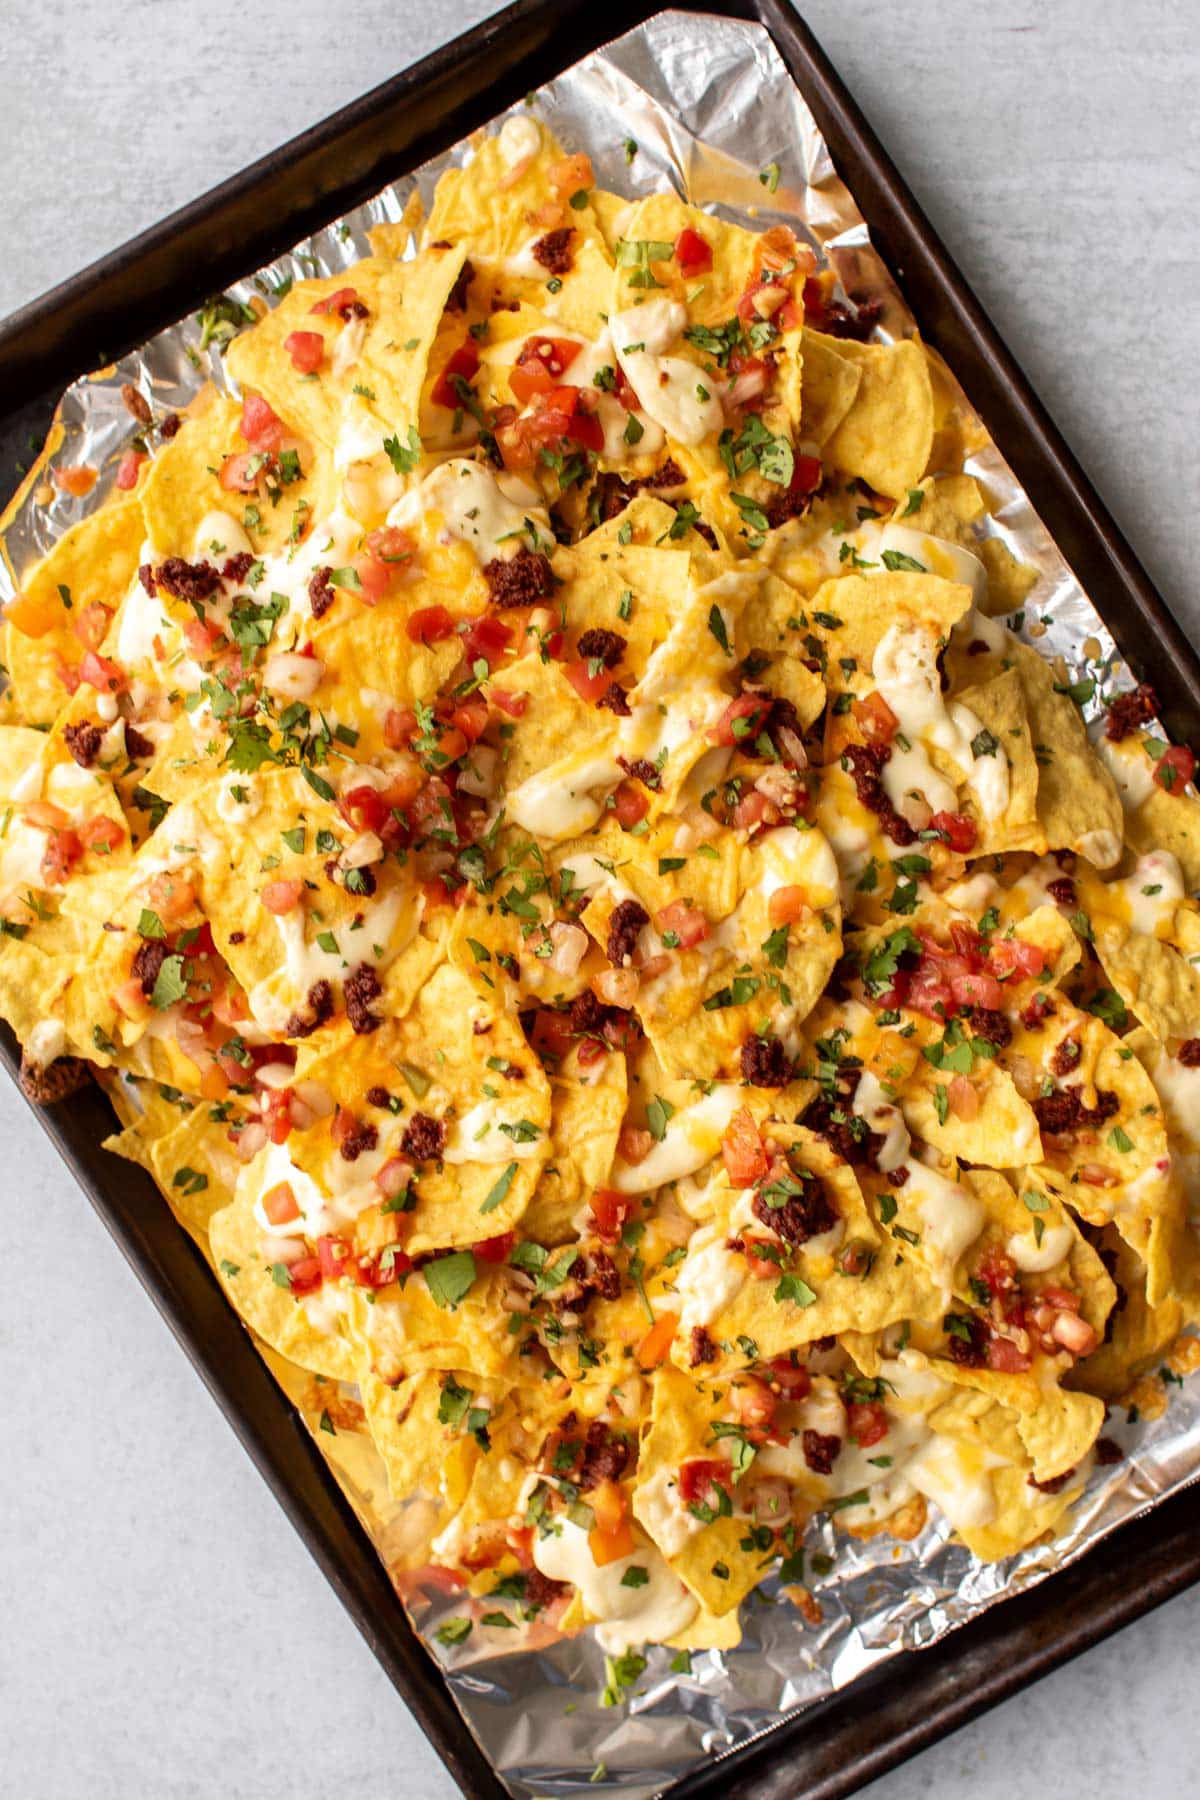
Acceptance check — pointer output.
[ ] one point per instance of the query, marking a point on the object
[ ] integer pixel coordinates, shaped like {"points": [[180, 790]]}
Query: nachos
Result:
{"points": [[660, 1015]]}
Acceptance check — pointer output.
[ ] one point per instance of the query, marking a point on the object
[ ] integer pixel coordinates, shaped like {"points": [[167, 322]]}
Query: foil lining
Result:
{"points": [[710, 107]]}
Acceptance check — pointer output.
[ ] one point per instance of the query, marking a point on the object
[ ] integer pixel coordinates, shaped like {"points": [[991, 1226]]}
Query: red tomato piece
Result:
{"points": [[101, 835], [336, 302], [702, 1480], [496, 1249], [631, 804], [429, 625], [277, 1113], [1175, 768], [334, 1256], [589, 682], [306, 1275], [957, 829], [742, 1150], [693, 253], [685, 920], [462, 366], [63, 850], [610, 1211], [540, 366], [306, 349], [1012, 957], [515, 705], [977, 990], [486, 637], [261, 426], [100, 673], [875, 718], [793, 1381], [281, 897], [742, 720], [867, 1422]]}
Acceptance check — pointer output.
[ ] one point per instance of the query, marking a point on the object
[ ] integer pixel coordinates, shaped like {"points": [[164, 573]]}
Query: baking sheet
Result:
{"points": [[710, 107]]}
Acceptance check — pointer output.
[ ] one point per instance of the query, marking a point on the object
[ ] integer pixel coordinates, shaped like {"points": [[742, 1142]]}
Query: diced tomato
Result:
{"points": [[365, 807], [1004, 1356], [558, 414], [793, 1380], [336, 302], [399, 724], [305, 1275], [1010, 956], [129, 468], [515, 705], [787, 905], [462, 366], [762, 1258], [276, 1107], [551, 1033], [692, 252], [631, 803], [306, 349], [470, 716], [750, 811], [171, 897], [374, 577], [63, 850], [486, 637], [279, 1204], [742, 1150], [430, 625], [655, 1346], [958, 831], [610, 1211], [588, 681], [100, 673], [807, 472], [239, 474], [997, 1271], [541, 366], [281, 897], [702, 1480], [925, 991], [1175, 768], [634, 1144], [261, 426], [742, 719], [755, 1404], [496, 1249], [381, 1271], [875, 718], [977, 990], [334, 1255], [101, 835], [391, 544], [201, 635], [91, 624], [866, 1422], [685, 920]]}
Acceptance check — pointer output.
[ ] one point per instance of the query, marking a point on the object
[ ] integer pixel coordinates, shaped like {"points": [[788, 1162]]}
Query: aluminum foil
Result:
{"points": [[710, 107]]}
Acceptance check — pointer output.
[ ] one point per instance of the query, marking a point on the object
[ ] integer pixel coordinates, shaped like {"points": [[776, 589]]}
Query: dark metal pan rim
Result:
{"points": [[832, 1747]]}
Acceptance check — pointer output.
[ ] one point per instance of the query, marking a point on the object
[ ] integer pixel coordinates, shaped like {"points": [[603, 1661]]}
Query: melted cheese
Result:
{"points": [[676, 393], [1152, 892], [476, 506], [872, 1104], [565, 799], [956, 1476], [691, 1139], [388, 926], [651, 1614], [939, 556], [1034, 1258], [951, 1217], [709, 1280], [660, 1508], [906, 675], [479, 1137]]}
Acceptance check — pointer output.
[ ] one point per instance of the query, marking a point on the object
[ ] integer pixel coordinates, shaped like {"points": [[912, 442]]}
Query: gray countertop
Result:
{"points": [[165, 1631]]}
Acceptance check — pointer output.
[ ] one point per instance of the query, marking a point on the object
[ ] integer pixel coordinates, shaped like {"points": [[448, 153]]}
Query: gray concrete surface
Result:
{"points": [[164, 1633]]}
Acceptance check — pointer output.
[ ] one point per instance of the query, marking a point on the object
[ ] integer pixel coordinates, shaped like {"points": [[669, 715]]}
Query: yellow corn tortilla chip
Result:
{"points": [[886, 436]]}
